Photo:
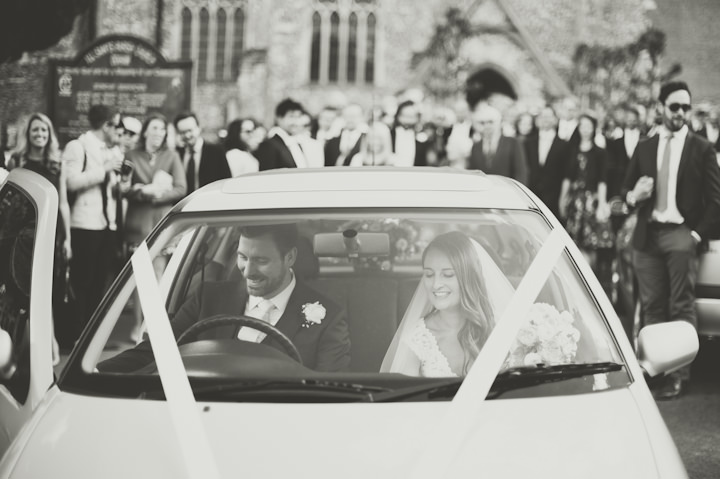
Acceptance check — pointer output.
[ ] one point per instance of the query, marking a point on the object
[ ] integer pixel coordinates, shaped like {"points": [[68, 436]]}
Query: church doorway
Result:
{"points": [[487, 83]]}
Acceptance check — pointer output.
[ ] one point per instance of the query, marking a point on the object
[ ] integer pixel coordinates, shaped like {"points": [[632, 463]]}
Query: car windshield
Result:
{"points": [[340, 305]]}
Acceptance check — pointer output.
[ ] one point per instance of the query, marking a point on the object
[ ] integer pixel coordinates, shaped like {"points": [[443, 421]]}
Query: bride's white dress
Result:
{"points": [[433, 363]]}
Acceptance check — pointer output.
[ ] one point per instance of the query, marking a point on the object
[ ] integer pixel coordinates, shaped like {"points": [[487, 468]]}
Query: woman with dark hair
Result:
{"points": [[583, 198], [525, 126], [38, 151], [460, 297], [240, 142], [157, 182]]}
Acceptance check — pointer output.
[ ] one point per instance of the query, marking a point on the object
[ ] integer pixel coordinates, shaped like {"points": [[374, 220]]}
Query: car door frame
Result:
{"points": [[13, 415]]}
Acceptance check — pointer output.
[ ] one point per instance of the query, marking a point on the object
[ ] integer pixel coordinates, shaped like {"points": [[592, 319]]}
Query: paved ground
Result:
{"points": [[694, 418]]}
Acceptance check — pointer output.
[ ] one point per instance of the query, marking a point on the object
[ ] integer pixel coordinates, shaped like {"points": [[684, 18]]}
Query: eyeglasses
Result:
{"points": [[674, 107]]}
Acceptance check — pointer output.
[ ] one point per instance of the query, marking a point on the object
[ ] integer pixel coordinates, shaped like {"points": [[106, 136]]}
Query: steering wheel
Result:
{"points": [[220, 320]]}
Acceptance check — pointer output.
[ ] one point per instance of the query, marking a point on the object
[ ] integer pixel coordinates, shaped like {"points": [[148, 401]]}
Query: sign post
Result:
{"points": [[121, 71]]}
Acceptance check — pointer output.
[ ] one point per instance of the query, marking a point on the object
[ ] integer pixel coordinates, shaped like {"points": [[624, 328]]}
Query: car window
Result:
{"points": [[18, 224], [365, 300]]}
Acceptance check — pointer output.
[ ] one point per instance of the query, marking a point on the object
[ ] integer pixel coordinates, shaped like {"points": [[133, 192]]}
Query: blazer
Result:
{"points": [[546, 180], [274, 153], [698, 185], [618, 161], [420, 149], [213, 164], [332, 150], [323, 347], [509, 160]]}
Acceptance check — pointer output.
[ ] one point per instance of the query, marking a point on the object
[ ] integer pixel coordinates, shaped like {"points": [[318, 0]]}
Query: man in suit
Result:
{"points": [[621, 149], [568, 112], [674, 181], [547, 157], [269, 291], [339, 151], [459, 137], [494, 153], [203, 162], [281, 149], [407, 149]]}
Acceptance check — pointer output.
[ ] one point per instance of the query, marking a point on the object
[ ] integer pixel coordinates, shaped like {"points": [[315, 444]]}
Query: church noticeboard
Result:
{"points": [[124, 72]]}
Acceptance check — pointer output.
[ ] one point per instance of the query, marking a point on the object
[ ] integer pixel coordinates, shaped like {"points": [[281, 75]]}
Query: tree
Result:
{"points": [[441, 69], [30, 25], [606, 77]]}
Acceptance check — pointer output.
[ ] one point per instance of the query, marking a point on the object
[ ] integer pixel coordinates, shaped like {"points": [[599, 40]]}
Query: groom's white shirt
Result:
{"points": [[279, 302]]}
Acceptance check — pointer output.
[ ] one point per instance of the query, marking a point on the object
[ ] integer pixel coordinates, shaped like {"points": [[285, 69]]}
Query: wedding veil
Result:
{"points": [[399, 357]]}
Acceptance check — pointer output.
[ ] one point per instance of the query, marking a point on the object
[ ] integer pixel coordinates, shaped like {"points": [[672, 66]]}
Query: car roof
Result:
{"points": [[371, 187]]}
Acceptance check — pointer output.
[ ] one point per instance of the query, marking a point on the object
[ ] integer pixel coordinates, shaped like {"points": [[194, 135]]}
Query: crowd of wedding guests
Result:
{"points": [[120, 177]]}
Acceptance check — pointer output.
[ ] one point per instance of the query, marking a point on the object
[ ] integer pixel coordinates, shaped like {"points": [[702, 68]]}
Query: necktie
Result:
{"points": [[190, 172], [262, 311], [664, 178]]}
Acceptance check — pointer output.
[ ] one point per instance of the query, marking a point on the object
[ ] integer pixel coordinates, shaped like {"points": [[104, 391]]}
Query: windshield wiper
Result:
{"points": [[514, 378], [524, 376], [301, 389]]}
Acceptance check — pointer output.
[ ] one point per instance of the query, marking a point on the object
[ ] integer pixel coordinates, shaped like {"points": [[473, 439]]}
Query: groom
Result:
{"points": [[269, 291]]}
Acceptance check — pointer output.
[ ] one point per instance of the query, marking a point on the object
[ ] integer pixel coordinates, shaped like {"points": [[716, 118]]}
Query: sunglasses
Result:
{"points": [[674, 107]]}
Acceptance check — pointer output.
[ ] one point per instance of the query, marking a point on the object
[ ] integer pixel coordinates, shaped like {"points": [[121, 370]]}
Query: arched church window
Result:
{"points": [[370, 53], [220, 49], [352, 48], [343, 41], [204, 42], [186, 34], [315, 49], [334, 47], [238, 39]]}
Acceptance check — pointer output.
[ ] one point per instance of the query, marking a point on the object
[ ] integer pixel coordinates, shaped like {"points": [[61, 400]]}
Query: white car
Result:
{"points": [[554, 391]]}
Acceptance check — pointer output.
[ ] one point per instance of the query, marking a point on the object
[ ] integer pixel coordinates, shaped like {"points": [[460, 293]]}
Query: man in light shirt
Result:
{"points": [[93, 162], [547, 156], [460, 136], [280, 149], [674, 182]]}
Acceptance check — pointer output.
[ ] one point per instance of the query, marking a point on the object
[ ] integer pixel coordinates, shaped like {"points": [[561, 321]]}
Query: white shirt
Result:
{"points": [[631, 138], [292, 145], [545, 141], [459, 144], [671, 214], [404, 147], [566, 128], [241, 162], [279, 301], [712, 133]]}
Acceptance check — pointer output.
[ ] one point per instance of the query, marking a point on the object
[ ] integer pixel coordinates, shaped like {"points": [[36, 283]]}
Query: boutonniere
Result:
{"points": [[314, 313]]}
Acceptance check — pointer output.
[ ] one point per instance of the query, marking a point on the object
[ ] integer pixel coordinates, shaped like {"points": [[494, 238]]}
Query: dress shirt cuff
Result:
{"points": [[630, 199], [696, 236]]}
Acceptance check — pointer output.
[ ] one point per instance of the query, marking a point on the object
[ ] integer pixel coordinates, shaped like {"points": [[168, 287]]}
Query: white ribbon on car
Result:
{"points": [[195, 447], [457, 424]]}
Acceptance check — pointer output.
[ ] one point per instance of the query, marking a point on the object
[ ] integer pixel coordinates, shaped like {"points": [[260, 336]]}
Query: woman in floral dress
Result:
{"points": [[583, 198]]}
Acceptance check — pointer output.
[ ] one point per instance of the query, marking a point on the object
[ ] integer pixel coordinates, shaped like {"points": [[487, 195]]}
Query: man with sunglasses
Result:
{"points": [[674, 181], [92, 163]]}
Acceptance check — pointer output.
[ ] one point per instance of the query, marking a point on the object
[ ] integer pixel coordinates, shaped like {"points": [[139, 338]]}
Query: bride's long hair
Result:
{"points": [[474, 303]]}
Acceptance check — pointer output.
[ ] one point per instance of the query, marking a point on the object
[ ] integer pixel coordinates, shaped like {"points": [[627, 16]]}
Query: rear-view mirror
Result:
{"points": [[351, 244], [667, 347]]}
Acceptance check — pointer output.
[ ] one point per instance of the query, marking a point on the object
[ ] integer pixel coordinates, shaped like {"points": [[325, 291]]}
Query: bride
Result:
{"points": [[461, 295]]}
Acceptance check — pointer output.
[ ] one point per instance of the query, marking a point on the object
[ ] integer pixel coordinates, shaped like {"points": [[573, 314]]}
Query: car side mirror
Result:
{"points": [[667, 347]]}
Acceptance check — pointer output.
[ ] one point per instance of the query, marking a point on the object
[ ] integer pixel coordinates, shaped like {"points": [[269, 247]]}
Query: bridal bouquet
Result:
{"points": [[548, 337]]}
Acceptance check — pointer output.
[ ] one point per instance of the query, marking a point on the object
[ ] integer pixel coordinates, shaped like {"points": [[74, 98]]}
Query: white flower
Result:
{"points": [[314, 313]]}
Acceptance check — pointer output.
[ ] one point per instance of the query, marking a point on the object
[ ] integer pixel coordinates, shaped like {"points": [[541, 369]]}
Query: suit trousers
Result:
{"points": [[666, 272]]}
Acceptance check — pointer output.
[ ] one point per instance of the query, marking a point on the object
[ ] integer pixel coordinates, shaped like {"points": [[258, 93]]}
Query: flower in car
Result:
{"points": [[548, 337], [314, 313]]}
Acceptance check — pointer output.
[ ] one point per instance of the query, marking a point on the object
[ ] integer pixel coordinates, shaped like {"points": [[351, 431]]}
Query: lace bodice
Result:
{"points": [[423, 343]]}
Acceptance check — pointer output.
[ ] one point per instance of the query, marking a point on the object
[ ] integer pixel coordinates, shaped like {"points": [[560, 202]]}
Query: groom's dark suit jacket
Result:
{"points": [[698, 185], [323, 347]]}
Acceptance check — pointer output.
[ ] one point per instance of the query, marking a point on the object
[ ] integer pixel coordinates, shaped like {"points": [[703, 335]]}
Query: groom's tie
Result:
{"points": [[262, 311]]}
